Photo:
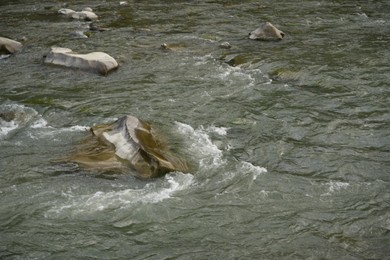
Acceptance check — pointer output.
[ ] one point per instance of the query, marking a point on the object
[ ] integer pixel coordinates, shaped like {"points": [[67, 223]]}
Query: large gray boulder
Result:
{"points": [[99, 62], [86, 14], [8, 46], [131, 142], [266, 32]]}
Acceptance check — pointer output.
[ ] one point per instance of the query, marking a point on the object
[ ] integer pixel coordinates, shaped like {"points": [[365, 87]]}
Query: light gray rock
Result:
{"points": [[86, 14], [79, 35], [132, 142], [8, 46], [266, 32], [66, 11], [99, 62], [225, 45]]}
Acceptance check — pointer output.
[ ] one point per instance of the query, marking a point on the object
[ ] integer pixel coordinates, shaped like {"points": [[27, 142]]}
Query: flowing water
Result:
{"points": [[289, 140]]}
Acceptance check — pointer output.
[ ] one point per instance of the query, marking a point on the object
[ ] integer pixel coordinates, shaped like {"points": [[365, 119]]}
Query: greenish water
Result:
{"points": [[290, 147]]}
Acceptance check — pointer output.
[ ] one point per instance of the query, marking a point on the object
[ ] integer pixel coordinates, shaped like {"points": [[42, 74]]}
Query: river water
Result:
{"points": [[289, 140]]}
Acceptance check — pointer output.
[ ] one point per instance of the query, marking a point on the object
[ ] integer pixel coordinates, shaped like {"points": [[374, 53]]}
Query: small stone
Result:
{"points": [[8, 46], [266, 32], [83, 15], [79, 35], [225, 45]]}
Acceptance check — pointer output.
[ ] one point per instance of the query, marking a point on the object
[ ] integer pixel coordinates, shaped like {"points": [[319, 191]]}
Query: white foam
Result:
{"points": [[23, 115], [363, 15], [234, 74], [154, 192], [200, 61], [6, 127], [335, 186], [41, 129], [40, 123], [264, 193], [255, 170], [77, 128], [218, 130], [201, 145]]}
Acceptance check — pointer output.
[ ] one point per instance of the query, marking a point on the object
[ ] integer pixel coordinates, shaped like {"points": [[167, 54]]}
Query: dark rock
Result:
{"points": [[8, 116]]}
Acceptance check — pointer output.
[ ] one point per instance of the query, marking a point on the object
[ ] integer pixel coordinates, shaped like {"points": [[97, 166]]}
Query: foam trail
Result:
{"points": [[154, 192], [43, 124], [76, 128]]}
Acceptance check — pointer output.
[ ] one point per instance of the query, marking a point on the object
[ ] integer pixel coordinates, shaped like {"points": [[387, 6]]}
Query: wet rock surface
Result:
{"points": [[99, 62], [129, 142], [8, 46], [266, 32]]}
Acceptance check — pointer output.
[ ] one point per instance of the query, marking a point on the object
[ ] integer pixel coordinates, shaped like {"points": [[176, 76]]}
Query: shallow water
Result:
{"points": [[290, 147]]}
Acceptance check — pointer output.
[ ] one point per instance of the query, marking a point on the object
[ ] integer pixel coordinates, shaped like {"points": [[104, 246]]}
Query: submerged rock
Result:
{"points": [[13, 116], [286, 75], [86, 14], [225, 45], [8, 46], [8, 116], [266, 32], [96, 28], [99, 62], [172, 46], [235, 60], [79, 35], [131, 142]]}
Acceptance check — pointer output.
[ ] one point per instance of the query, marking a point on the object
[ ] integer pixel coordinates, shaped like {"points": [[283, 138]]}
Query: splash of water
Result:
{"points": [[74, 205], [201, 146]]}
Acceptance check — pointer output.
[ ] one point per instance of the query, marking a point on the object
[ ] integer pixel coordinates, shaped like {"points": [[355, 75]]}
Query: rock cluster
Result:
{"points": [[87, 14]]}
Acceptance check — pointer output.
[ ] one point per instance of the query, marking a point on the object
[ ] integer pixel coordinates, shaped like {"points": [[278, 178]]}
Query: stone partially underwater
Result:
{"points": [[8, 46], [129, 142], [99, 62], [85, 14], [266, 32]]}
